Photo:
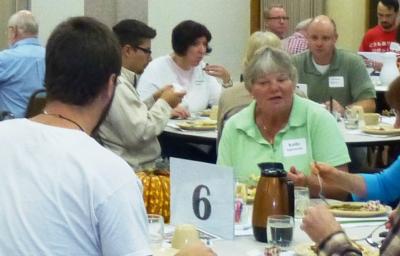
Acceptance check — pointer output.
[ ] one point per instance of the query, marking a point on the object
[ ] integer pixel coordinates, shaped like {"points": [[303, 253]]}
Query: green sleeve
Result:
{"points": [[328, 145], [361, 84], [225, 147]]}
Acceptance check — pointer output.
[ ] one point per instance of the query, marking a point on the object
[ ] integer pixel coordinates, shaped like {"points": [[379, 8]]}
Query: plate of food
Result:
{"points": [[358, 209], [198, 125], [309, 249], [381, 129], [206, 112]]}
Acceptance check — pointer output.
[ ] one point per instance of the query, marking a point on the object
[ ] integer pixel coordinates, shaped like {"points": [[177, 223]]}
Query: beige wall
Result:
{"points": [[111, 12], [227, 20], [350, 21], [7, 8]]}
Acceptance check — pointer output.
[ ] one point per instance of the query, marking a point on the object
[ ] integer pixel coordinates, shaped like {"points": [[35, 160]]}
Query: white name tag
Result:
{"points": [[302, 88], [294, 147], [336, 81]]}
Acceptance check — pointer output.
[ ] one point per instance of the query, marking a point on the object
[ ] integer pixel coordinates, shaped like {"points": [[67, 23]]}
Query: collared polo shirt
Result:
{"points": [[346, 80], [311, 134], [22, 68]]}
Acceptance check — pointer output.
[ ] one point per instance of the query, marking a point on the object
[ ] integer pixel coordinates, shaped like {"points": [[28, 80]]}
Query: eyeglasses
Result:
{"points": [[285, 18], [148, 51]]}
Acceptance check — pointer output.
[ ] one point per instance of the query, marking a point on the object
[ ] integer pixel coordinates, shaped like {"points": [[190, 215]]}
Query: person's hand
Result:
{"points": [[319, 223], [171, 96], [180, 112], [158, 93], [391, 219], [335, 107], [298, 178], [218, 71], [196, 249], [327, 173]]}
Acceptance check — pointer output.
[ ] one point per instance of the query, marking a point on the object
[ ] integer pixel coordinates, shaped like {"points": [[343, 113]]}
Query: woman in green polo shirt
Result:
{"points": [[279, 126]]}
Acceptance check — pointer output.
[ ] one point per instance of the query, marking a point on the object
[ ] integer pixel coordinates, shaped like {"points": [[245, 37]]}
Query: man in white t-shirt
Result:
{"points": [[60, 192]]}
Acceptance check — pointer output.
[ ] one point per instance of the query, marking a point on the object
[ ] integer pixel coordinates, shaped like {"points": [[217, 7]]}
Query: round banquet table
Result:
{"points": [[351, 137]]}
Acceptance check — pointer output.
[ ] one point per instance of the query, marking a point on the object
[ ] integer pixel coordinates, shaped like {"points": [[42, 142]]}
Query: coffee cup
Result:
{"points": [[371, 118], [184, 234]]}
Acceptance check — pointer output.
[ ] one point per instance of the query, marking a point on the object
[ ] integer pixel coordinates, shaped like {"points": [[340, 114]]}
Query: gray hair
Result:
{"points": [[302, 25], [270, 7], [268, 60], [24, 22]]}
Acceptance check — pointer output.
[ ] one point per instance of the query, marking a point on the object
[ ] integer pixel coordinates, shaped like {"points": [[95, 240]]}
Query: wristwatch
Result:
{"points": [[228, 84]]}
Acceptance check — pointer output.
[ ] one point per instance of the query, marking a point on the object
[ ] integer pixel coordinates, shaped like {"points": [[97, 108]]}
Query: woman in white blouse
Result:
{"points": [[185, 69]]}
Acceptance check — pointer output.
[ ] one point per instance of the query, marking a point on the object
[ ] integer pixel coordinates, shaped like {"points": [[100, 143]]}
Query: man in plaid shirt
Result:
{"points": [[297, 42]]}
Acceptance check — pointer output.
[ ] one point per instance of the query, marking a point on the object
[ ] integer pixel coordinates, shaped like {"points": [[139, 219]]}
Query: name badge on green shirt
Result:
{"points": [[336, 81], [294, 147]]}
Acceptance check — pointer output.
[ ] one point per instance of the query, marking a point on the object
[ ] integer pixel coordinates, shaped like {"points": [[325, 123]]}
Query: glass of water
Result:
{"points": [[301, 200], [280, 230], [351, 119], [156, 230]]}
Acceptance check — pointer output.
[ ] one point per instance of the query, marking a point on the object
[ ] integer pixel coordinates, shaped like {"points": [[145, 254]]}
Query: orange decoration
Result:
{"points": [[156, 192]]}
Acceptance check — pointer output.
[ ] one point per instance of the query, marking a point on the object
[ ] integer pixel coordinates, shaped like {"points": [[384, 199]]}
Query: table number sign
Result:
{"points": [[202, 194]]}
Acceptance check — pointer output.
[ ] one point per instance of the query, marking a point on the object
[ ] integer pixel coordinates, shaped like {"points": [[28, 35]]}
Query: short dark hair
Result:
{"points": [[391, 4], [133, 32], [81, 55], [186, 33]]}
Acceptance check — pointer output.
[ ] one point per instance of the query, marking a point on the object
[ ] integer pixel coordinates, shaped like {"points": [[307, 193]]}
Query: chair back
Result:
{"points": [[36, 104]]}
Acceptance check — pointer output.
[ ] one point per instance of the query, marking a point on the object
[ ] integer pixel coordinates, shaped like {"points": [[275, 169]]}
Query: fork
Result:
{"points": [[323, 198], [368, 238]]}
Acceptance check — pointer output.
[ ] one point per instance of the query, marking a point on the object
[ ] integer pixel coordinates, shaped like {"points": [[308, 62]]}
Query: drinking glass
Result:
{"points": [[156, 230], [301, 200], [351, 119], [280, 230]]}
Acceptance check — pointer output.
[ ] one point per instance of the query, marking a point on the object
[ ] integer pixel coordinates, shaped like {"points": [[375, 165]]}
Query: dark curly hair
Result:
{"points": [[186, 33]]}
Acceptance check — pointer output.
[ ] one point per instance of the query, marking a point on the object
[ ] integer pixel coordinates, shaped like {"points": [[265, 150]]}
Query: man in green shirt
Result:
{"points": [[330, 72]]}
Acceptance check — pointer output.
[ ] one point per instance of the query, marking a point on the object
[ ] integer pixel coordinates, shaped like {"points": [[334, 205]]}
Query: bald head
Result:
{"points": [[22, 25], [322, 36], [323, 22]]}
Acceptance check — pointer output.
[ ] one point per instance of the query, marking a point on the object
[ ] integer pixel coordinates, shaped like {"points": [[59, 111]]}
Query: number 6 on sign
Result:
{"points": [[203, 195], [197, 200]]}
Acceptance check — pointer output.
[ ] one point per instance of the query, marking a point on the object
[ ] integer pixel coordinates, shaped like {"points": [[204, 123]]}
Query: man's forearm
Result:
{"points": [[368, 105]]}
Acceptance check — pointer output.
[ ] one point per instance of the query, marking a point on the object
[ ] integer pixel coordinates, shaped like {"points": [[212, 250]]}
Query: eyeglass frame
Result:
{"points": [[145, 50], [284, 18]]}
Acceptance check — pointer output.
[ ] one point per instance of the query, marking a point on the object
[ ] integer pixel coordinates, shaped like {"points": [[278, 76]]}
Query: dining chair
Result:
{"points": [[36, 104]]}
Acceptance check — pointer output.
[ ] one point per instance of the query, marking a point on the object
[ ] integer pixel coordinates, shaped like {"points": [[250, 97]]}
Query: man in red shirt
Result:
{"points": [[378, 38]]}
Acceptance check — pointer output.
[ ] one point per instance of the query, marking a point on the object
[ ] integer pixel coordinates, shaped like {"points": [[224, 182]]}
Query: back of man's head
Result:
{"points": [[81, 55], [133, 32], [24, 22], [391, 4], [302, 25]]}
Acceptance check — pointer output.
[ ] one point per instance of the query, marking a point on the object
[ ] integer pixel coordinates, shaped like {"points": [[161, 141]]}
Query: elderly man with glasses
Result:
{"points": [[22, 66], [276, 20]]}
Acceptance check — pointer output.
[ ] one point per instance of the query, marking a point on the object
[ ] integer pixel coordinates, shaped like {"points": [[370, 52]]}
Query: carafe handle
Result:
{"points": [[290, 190]]}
